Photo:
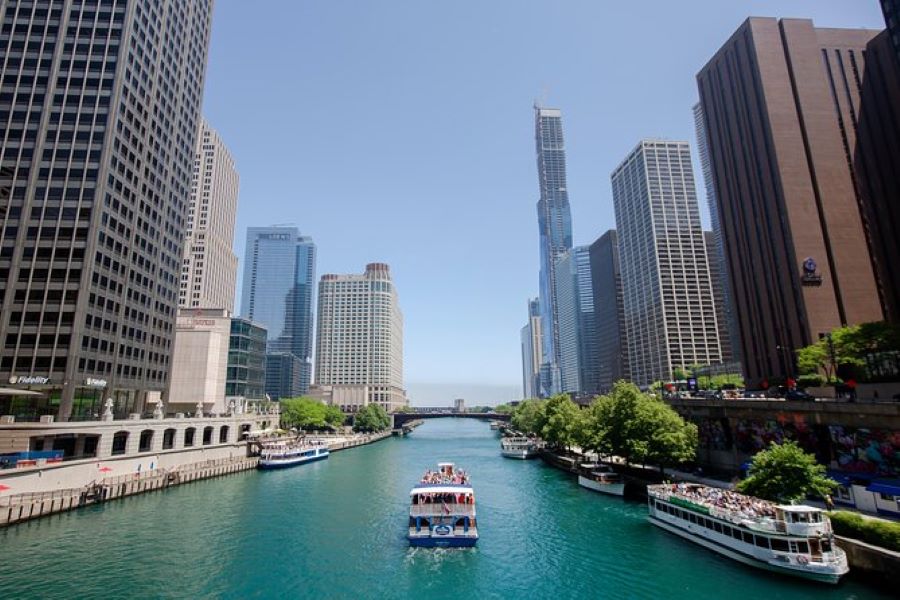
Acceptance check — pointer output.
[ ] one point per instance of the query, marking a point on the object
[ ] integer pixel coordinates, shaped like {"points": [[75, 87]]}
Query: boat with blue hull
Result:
{"points": [[442, 510], [280, 455]]}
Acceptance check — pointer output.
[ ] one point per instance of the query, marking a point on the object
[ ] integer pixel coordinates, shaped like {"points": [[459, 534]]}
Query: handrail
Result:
{"points": [[442, 509]]}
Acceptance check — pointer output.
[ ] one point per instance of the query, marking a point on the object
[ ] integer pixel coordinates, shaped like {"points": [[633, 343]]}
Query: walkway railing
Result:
{"points": [[438, 509]]}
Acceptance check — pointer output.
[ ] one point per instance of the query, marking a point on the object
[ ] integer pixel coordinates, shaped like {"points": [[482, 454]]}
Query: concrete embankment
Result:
{"points": [[358, 440], [872, 564]]}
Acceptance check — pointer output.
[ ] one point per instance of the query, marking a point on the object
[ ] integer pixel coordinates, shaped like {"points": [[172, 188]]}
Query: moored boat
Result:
{"points": [[790, 539], [518, 447], [442, 510], [601, 478], [282, 454]]}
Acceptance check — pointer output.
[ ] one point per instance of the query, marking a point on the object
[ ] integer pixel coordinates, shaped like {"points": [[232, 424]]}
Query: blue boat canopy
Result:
{"points": [[885, 486], [841, 478]]}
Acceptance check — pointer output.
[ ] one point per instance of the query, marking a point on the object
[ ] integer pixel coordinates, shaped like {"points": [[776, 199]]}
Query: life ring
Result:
{"points": [[443, 530], [802, 560]]}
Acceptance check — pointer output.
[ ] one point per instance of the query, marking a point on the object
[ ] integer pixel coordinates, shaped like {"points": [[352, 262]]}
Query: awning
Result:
{"points": [[841, 478], [17, 392], [441, 489], [885, 486]]}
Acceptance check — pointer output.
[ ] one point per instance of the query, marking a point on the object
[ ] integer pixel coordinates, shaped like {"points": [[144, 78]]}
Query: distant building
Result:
{"points": [[279, 275], [209, 268], [670, 318], [719, 297], [359, 341], [246, 375], [284, 375], [459, 405], [780, 103], [200, 361], [531, 351], [609, 311], [101, 108], [568, 338], [555, 227]]}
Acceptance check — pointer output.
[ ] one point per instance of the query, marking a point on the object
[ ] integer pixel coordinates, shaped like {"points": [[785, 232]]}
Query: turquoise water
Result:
{"points": [[335, 529]]}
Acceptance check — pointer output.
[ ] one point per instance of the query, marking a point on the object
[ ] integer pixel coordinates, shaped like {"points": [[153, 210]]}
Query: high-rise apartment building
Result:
{"points": [[609, 312], [670, 318], [555, 227], [279, 275], [531, 351], [729, 336], [209, 270], [577, 328], [588, 342], [100, 106], [780, 101], [359, 340]]}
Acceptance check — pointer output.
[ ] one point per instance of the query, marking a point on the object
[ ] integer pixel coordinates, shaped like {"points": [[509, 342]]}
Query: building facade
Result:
{"points": [[779, 100], [609, 311], [531, 351], [284, 375], [555, 229], [101, 108], [729, 336], [891, 10], [568, 337], [246, 374], [359, 341], [200, 361], [588, 342], [279, 275], [209, 268], [670, 318]]}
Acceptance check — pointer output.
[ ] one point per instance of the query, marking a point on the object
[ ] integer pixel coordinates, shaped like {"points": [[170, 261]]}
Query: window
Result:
{"points": [[779, 545], [146, 441], [748, 537], [120, 441], [207, 435], [189, 437], [168, 439], [762, 542]]}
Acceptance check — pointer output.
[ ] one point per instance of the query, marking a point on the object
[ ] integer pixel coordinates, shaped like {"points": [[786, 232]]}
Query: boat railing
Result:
{"points": [[442, 509]]}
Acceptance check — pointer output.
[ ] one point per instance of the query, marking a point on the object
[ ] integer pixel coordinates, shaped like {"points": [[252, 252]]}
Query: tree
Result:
{"points": [[371, 418], [503, 409], [334, 417], [671, 440], [842, 347], [303, 412], [528, 416], [561, 421], [680, 373], [785, 473], [405, 409]]}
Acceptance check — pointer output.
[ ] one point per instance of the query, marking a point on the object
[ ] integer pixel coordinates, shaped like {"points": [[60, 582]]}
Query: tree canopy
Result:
{"points": [[528, 416], [560, 422], [503, 409], [785, 473], [371, 418], [847, 348], [308, 413]]}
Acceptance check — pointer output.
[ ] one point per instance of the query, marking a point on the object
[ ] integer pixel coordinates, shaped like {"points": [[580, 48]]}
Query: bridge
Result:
{"points": [[400, 419]]}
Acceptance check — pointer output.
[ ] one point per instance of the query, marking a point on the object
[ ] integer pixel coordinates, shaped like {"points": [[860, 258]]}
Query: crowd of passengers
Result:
{"points": [[447, 477], [429, 498], [746, 506]]}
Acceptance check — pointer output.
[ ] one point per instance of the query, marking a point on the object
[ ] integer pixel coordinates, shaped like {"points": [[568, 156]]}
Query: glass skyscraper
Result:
{"points": [[555, 227], [279, 276]]}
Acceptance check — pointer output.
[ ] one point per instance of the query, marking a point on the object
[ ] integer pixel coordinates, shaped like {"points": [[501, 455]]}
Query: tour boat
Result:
{"points": [[518, 447], [790, 539], [442, 510], [281, 454], [601, 478]]}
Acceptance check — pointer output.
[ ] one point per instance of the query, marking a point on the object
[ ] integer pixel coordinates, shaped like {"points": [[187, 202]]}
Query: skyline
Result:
{"points": [[464, 284]]}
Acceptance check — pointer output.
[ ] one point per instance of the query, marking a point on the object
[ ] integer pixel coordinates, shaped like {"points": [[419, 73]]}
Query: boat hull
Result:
{"points": [[291, 462], [519, 454], [613, 489], [743, 558], [442, 542]]}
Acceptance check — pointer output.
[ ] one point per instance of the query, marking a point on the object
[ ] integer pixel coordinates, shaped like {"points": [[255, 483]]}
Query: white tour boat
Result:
{"points": [[442, 510], [289, 453], [518, 447], [601, 478], [790, 539]]}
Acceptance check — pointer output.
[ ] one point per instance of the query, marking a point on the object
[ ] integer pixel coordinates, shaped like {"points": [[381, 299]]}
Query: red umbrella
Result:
{"points": [[105, 469], [3, 488]]}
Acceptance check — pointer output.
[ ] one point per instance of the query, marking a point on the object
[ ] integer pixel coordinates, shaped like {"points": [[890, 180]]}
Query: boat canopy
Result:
{"points": [[798, 508], [445, 464], [442, 489]]}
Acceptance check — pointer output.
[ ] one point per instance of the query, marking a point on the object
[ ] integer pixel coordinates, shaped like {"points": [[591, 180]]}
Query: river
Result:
{"points": [[335, 529]]}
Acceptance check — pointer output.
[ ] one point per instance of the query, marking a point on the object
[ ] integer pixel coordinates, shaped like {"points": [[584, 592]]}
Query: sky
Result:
{"points": [[401, 131]]}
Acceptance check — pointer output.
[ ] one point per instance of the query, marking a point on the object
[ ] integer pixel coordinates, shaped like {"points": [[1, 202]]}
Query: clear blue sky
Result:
{"points": [[401, 131]]}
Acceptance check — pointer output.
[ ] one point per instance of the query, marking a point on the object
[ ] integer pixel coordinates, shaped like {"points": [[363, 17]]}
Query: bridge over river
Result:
{"points": [[401, 419]]}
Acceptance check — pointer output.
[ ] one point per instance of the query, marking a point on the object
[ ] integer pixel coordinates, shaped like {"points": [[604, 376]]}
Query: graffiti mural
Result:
{"points": [[751, 436], [869, 451]]}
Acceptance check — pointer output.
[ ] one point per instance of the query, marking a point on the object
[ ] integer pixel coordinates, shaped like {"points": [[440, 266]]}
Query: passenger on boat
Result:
{"points": [[725, 499]]}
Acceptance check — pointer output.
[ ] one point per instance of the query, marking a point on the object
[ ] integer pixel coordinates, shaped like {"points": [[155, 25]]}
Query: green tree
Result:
{"points": [[334, 417], [405, 409], [670, 439], [680, 373], [371, 418], [528, 416], [503, 409], [842, 347], [561, 421], [785, 473], [303, 412]]}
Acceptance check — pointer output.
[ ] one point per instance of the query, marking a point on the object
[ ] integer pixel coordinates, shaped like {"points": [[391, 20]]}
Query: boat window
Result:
{"points": [[726, 530], [709, 524], [815, 518], [693, 518], [736, 534], [779, 545], [826, 545], [718, 527], [748, 537], [802, 547], [762, 542]]}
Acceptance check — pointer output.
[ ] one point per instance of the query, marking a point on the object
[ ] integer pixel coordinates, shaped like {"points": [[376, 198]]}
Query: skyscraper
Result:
{"points": [[103, 102], [210, 265], [729, 332], [891, 10], [359, 341], [588, 342], [555, 227], [670, 318], [279, 274], [609, 312], [780, 101], [577, 329], [531, 351]]}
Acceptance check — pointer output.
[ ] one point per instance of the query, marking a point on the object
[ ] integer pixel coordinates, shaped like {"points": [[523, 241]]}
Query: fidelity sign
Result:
{"points": [[29, 380]]}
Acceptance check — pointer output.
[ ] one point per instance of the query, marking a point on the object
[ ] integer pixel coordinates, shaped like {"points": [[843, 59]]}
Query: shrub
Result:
{"points": [[810, 380], [872, 531]]}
